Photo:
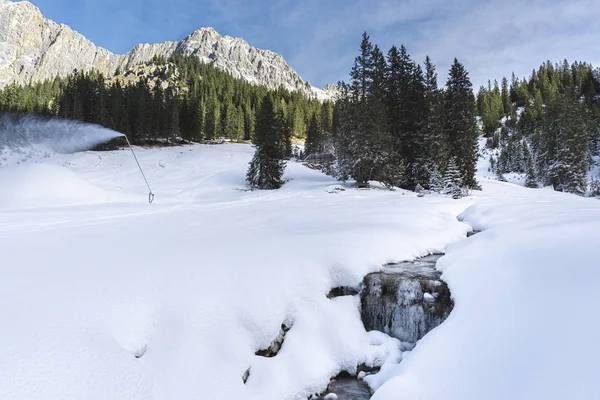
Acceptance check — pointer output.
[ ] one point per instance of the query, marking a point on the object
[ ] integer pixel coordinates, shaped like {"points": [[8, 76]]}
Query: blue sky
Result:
{"points": [[319, 38]]}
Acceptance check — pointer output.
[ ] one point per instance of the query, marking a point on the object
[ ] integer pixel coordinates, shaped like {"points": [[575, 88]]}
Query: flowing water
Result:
{"points": [[405, 300]]}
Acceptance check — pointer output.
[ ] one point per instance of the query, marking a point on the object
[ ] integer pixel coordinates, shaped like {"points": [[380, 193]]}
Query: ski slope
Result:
{"points": [[105, 296]]}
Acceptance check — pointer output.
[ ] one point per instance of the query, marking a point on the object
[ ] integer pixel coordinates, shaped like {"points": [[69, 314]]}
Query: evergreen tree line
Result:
{"points": [[546, 126], [393, 124], [194, 102]]}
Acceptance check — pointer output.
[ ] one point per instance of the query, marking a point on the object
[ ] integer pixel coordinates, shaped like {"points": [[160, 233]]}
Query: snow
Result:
{"points": [[524, 289], [43, 185], [111, 297], [105, 296], [595, 168]]}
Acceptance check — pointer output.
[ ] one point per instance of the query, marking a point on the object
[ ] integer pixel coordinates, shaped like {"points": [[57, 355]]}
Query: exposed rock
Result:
{"points": [[471, 233], [275, 345], [343, 291], [34, 48], [246, 375], [405, 300], [163, 75], [140, 352]]}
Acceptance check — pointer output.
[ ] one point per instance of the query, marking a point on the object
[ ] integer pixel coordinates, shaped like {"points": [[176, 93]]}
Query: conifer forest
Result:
{"points": [[391, 122]]}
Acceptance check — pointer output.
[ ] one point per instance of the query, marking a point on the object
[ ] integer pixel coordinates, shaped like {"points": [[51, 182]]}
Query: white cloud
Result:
{"points": [[492, 38]]}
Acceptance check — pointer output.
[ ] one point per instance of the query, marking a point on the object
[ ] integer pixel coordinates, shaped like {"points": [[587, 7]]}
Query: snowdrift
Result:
{"points": [[172, 300], [44, 185], [525, 289]]}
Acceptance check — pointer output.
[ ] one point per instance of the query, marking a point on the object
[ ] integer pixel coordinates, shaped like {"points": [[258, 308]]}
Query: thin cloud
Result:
{"points": [[320, 38]]}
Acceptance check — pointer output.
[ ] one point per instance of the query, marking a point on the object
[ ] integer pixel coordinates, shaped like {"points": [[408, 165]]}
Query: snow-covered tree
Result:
{"points": [[419, 190], [500, 176], [594, 190], [436, 183], [453, 180], [568, 172]]}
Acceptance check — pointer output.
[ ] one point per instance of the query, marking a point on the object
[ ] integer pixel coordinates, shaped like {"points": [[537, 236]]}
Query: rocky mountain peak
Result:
{"points": [[34, 48]]}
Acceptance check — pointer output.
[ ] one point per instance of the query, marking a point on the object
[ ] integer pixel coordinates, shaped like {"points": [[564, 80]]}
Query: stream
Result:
{"points": [[349, 388], [404, 300]]}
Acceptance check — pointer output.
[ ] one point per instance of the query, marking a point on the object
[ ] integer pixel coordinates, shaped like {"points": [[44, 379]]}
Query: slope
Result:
{"points": [[126, 300]]}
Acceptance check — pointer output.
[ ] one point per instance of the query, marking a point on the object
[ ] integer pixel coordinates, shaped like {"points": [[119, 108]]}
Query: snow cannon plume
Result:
{"points": [[35, 135], [51, 134]]}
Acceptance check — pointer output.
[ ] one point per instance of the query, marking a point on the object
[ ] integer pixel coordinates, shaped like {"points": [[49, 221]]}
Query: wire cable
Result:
{"points": [[150, 194]]}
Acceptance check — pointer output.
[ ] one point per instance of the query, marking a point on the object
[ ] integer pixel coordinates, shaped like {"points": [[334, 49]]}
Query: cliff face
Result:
{"points": [[34, 48]]}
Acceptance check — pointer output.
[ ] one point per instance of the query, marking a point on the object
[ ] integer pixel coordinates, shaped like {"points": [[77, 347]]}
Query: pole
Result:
{"points": [[150, 194]]}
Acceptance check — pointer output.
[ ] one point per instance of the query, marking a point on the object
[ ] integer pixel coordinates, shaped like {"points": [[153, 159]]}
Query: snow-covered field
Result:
{"points": [[104, 296], [524, 324]]}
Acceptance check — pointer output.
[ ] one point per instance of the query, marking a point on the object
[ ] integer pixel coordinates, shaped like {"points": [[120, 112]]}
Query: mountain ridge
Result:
{"points": [[34, 48]]}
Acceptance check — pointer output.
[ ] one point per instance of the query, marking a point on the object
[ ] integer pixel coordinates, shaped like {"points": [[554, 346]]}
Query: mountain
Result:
{"points": [[34, 48]]}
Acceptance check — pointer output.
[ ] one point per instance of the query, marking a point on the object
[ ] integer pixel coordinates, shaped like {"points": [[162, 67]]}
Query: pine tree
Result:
{"points": [[327, 117], [232, 121], [531, 180], [199, 119], [240, 128], [405, 88], [361, 70], [298, 122], [460, 126], [434, 118], [594, 190], [313, 137], [249, 122], [284, 131], [419, 190], [172, 124], [362, 145], [213, 120], [436, 183], [499, 175], [453, 180], [568, 173], [419, 142], [506, 104], [267, 166]]}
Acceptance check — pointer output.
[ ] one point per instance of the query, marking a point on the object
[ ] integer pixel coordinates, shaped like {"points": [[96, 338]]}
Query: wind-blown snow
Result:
{"points": [[126, 300], [29, 138]]}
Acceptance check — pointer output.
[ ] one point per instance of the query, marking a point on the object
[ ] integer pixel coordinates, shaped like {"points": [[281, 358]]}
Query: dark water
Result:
{"points": [[349, 388], [405, 300]]}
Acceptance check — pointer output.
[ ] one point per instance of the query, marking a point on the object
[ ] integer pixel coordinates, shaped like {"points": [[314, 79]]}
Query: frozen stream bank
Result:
{"points": [[404, 300]]}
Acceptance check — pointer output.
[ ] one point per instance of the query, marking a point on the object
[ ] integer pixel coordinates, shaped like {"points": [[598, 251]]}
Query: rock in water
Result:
{"points": [[406, 300]]}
